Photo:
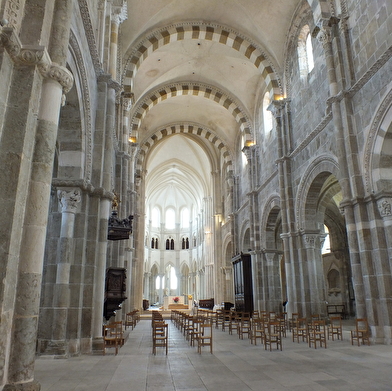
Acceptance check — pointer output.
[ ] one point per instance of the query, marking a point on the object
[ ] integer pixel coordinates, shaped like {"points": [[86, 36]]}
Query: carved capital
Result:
{"points": [[276, 108], [249, 151], [385, 207], [127, 101], [324, 36], [58, 73], [69, 200], [120, 13], [35, 56]]}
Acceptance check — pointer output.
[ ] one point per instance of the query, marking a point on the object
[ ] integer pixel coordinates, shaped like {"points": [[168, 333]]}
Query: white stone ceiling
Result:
{"points": [[182, 166]]}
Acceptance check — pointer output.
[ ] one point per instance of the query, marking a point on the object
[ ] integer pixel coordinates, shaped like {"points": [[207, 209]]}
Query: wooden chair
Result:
{"points": [[204, 338], [188, 327], [245, 325], [257, 331], [292, 321], [361, 332], [234, 322], [111, 337], [195, 330], [226, 319], [335, 327], [256, 314], [219, 320], [300, 330], [273, 335], [130, 320], [317, 333], [160, 336], [283, 325], [120, 331]]}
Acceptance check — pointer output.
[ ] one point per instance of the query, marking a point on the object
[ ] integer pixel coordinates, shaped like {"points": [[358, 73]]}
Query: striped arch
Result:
{"points": [[322, 164], [198, 30], [195, 89], [194, 129], [377, 152]]}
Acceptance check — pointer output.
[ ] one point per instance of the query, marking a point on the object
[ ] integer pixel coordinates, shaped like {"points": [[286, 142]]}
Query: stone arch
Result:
{"points": [[245, 237], [80, 76], [188, 128], [270, 221], [378, 153], [201, 30], [196, 89], [227, 249], [315, 175]]}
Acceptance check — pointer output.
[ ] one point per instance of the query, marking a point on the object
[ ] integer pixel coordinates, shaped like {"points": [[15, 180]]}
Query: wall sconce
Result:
{"points": [[132, 140]]}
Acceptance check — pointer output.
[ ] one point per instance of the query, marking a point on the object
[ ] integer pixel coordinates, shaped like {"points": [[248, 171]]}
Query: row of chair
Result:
{"points": [[113, 333], [160, 332], [270, 327], [197, 329], [316, 331]]}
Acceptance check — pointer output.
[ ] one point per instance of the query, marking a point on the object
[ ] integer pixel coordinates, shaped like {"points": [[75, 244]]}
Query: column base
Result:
{"points": [[30, 386], [97, 346]]}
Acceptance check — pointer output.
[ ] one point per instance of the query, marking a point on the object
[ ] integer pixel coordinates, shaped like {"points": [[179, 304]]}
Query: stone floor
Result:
{"points": [[235, 365]]}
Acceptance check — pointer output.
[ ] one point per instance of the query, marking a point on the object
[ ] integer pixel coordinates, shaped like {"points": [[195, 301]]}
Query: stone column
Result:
{"points": [[119, 14], [69, 200], [21, 368], [384, 269], [315, 273], [57, 80], [108, 91], [281, 112]]}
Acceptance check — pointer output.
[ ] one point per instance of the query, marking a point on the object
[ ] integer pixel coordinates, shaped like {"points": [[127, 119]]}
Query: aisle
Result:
{"points": [[235, 365]]}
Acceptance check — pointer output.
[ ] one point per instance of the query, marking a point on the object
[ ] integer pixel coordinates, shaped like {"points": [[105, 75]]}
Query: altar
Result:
{"points": [[174, 302]]}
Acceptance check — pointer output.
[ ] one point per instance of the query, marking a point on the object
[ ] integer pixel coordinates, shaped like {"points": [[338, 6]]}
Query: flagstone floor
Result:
{"points": [[235, 365]]}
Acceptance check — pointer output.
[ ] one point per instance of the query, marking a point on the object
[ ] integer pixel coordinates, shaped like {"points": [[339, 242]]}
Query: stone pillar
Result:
{"points": [[57, 80], [69, 200], [384, 268], [107, 89], [119, 14], [281, 112], [315, 273]]}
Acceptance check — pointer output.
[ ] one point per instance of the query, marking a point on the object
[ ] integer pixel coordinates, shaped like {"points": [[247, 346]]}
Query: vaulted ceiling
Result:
{"points": [[201, 65]]}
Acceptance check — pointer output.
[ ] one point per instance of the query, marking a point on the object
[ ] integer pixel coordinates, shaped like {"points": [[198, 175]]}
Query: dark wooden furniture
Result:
{"points": [[206, 303], [243, 286], [337, 309], [115, 290]]}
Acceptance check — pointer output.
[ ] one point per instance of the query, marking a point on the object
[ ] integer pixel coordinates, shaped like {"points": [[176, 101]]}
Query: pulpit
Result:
{"points": [[115, 290]]}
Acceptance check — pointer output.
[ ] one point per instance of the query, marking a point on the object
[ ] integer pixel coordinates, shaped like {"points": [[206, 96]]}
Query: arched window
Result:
{"points": [[183, 244], [185, 218], [187, 243], [267, 115], [305, 52], [173, 278], [326, 245], [309, 53], [158, 282], [156, 243], [155, 218], [170, 222], [167, 244], [172, 244], [152, 243]]}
